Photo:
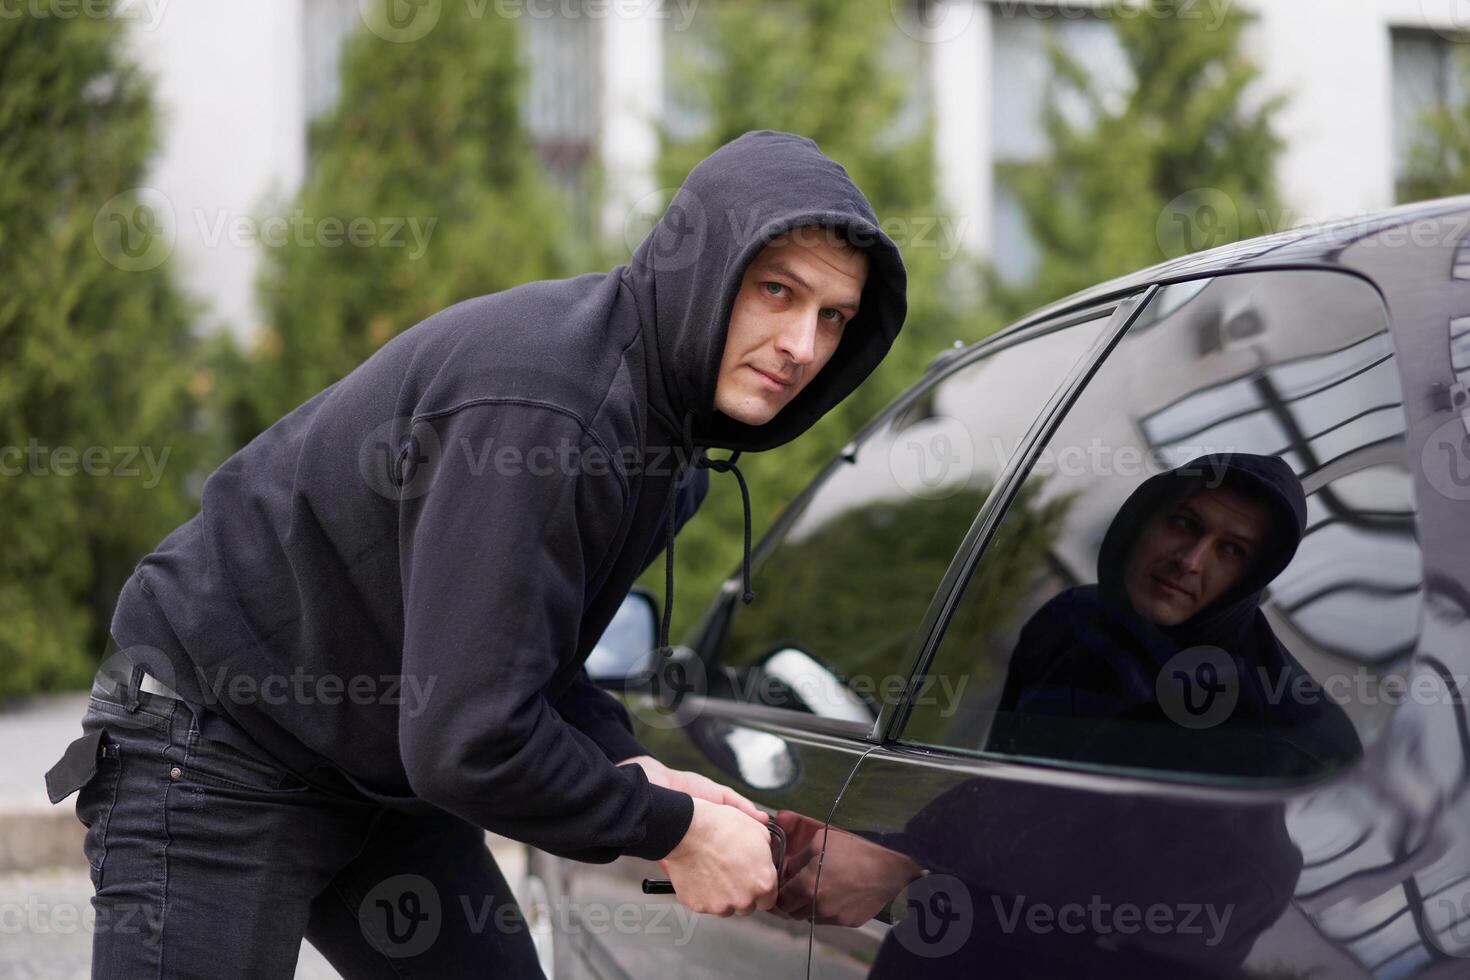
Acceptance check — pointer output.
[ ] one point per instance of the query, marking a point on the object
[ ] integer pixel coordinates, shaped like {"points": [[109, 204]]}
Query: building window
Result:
{"points": [[1427, 78], [1020, 77]]}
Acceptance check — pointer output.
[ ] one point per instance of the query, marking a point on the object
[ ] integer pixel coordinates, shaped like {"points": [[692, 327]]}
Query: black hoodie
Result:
{"points": [[452, 526], [1088, 655]]}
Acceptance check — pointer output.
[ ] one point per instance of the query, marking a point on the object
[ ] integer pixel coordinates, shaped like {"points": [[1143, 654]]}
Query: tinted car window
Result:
{"points": [[1127, 620], [849, 577]]}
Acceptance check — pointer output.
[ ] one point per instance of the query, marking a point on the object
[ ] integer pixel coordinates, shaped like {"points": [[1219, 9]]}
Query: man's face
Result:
{"points": [[1188, 557], [794, 300]]}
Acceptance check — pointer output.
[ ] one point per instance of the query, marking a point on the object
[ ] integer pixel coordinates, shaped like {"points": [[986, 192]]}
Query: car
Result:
{"points": [[907, 607]]}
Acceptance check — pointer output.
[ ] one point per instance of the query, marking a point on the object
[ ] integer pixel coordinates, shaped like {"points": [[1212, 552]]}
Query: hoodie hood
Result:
{"points": [[687, 271], [1264, 477], [1088, 654]]}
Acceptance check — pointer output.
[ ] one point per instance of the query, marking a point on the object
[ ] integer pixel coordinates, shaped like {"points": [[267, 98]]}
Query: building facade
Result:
{"points": [[238, 84]]}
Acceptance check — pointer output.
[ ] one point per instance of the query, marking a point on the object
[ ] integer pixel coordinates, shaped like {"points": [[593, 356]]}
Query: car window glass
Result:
{"points": [[1212, 558], [847, 580]]}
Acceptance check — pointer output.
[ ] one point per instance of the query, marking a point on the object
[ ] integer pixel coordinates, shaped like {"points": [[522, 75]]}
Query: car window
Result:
{"points": [[846, 579], [1211, 568]]}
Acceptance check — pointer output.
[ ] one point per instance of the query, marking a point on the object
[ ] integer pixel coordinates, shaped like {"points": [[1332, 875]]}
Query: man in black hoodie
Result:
{"points": [[1168, 661], [368, 644]]}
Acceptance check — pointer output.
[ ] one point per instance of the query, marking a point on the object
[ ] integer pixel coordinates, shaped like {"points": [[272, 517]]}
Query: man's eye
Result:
{"points": [[773, 288], [1235, 550], [835, 317]]}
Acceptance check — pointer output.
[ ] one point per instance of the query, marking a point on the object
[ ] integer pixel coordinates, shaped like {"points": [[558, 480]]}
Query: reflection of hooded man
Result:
{"points": [[1142, 668]]}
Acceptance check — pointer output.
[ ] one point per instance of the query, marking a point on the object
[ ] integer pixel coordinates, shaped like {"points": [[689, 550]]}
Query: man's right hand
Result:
{"points": [[723, 865]]}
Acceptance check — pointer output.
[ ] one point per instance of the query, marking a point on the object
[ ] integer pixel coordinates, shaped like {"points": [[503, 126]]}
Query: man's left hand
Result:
{"points": [[694, 784]]}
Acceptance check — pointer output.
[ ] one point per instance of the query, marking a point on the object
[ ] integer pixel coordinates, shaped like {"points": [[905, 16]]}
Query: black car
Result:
{"points": [[980, 772]]}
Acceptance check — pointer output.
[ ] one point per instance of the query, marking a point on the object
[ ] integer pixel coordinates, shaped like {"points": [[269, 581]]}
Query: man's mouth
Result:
{"points": [[772, 381], [1172, 589]]}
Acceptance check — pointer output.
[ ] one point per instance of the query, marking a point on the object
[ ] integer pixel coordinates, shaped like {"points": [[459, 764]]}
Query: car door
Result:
{"points": [[1173, 841], [781, 698]]}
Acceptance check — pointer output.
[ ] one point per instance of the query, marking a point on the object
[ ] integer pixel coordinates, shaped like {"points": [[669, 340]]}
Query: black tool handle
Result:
{"points": [[658, 886]]}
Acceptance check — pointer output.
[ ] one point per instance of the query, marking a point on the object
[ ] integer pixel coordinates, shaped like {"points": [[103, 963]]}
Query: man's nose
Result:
{"points": [[798, 341], [1192, 557]]}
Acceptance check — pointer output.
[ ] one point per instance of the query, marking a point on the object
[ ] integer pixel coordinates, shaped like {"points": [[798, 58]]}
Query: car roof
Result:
{"points": [[1309, 245]]}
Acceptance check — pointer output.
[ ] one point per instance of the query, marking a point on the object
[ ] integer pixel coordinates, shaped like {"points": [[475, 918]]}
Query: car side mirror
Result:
{"points": [[806, 684], [626, 648]]}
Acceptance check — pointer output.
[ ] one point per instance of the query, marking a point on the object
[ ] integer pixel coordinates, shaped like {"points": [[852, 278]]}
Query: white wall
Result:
{"points": [[229, 88]]}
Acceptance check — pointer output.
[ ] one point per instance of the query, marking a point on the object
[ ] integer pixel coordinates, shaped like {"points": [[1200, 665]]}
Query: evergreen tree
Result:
{"points": [[426, 146], [831, 70], [99, 372], [1186, 161]]}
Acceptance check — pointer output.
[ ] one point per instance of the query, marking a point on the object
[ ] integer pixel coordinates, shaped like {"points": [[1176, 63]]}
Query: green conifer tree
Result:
{"points": [[100, 377], [1184, 161], [426, 145]]}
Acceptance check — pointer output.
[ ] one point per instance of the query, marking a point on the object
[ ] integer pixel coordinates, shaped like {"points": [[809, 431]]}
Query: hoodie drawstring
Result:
{"points": [[699, 460]]}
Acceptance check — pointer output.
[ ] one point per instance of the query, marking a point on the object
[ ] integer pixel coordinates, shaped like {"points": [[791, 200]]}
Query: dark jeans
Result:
{"points": [[210, 863]]}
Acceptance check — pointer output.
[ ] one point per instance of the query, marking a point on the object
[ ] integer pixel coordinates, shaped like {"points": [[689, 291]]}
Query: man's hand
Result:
{"points": [[697, 786], [723, 865]]}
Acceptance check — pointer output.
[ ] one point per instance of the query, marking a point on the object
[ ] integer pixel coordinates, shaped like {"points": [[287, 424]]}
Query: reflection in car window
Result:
{"points": [[1212, 555], [839, 595]]}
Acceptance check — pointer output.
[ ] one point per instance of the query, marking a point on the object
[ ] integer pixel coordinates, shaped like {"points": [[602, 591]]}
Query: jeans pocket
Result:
{"points": [[221, 765]]}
